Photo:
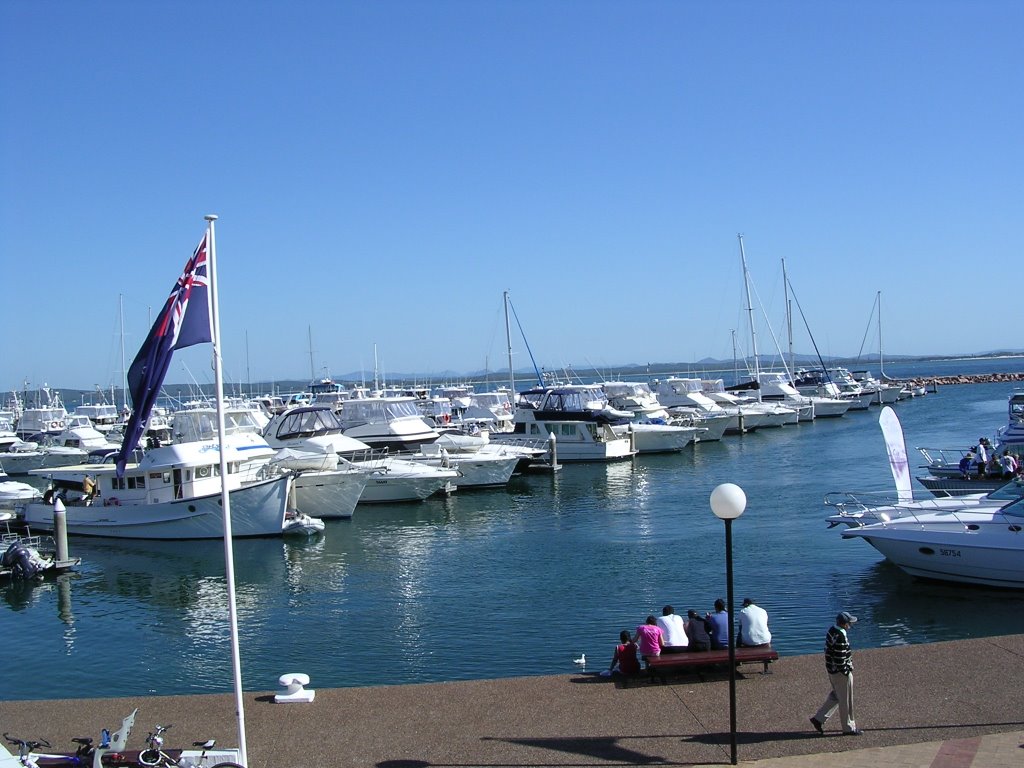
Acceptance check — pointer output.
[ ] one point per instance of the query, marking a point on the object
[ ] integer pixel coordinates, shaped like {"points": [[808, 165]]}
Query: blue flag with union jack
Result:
{"points": [[183, 321]]}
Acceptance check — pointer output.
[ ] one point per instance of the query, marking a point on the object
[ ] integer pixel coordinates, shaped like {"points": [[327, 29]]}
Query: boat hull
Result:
{"points": [[949, 553], [330, 493], [256, 510]]}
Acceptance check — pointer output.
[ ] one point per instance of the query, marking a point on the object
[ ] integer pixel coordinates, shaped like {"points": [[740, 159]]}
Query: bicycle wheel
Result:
{"points": [[226, 765], [150, 757]]}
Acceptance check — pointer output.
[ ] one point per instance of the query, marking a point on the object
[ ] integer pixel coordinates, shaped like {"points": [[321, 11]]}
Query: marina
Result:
{"points": [[595, 545]]}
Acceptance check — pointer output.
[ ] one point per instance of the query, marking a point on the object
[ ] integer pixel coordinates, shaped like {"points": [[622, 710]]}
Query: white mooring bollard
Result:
{"points": [[293, 683]]}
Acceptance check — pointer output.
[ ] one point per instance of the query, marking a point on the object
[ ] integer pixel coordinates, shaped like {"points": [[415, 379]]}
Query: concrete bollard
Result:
{"points": [[60, 530], [553, 450]]}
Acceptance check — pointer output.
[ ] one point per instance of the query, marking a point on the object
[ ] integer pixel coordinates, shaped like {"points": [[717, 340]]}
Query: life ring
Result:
{"points": [[446, 418], [54, 425]]}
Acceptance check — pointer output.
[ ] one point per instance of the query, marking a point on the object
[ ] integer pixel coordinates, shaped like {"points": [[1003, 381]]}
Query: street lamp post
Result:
{"points": [[728, 502]]}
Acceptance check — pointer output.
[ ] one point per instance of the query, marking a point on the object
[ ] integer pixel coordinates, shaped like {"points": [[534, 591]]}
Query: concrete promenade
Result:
{"points": [[956, 704]]}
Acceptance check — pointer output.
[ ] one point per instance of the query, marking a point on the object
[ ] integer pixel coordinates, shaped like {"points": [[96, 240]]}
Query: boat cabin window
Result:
{"points": [[130, 482], [307, 423]]}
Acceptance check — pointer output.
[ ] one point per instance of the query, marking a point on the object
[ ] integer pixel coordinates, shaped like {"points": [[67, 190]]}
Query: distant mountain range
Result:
{"points": [[525, 376]]}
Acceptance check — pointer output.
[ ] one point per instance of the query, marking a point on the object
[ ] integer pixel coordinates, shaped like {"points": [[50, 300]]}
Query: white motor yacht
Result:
{"points": [[395, 423], [1012, 435], [580, 419], [312, 428], [174, 492], [970, 543], [688, 395]]}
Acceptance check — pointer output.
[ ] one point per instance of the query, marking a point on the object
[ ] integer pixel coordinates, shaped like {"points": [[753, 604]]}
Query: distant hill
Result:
{"points": [[526, 376]]}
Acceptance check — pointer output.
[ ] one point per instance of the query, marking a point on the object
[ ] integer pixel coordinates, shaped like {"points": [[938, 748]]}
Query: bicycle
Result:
{"points": [[154, 755], [26, 748]]}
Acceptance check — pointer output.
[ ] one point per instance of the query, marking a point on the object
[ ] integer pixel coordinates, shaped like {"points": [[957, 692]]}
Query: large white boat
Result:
{"points": [[580, 419], [174, 492], [1012, 435], [314, 428], [775, 387], [45, 416], [688, 395], [855, 509], [386, 422], [652, 428], [970, 543]]}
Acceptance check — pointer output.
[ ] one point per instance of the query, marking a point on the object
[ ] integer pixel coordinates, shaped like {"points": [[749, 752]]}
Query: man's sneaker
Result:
{"points": [[817, 725]]}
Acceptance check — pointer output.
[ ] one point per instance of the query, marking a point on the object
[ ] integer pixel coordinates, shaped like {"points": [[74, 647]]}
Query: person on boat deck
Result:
{"points": [[697, 632], [994, 468], [1008, 463], [649, 638], [719, 626], [965, 465], [674, 629], [754, 630], [981, 459], [624, 660]]}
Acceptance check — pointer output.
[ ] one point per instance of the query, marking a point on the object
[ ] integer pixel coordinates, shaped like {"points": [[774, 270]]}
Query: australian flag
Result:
{"points": [[183, 321]]}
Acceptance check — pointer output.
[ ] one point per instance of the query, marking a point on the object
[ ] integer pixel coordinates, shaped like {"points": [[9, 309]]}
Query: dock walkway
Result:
{"points": [[957, 704]]}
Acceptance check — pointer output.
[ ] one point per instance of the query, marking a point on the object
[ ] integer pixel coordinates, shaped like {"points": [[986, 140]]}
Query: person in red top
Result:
{"points": [[649, 638], [625, 656]]}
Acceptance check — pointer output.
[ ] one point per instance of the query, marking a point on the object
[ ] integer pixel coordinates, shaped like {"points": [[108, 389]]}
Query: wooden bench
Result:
{"points": [[660, 666]]}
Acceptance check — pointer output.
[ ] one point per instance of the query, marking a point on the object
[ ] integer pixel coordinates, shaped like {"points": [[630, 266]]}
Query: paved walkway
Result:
{"points": [[944, 705]]}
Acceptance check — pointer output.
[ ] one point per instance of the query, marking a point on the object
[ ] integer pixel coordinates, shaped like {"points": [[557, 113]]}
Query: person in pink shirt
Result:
{"points": [[649, 638]]}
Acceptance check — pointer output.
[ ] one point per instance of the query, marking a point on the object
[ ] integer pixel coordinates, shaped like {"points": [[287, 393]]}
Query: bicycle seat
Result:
{"points": [[85, 741], [208, 744]]}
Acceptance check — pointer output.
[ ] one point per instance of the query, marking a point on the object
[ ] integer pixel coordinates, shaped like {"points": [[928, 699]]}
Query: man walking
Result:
{"points": [[839, 665]]}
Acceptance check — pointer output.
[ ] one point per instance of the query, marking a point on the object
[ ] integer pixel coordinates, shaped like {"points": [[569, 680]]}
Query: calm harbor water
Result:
{"points": [[518, 581]]}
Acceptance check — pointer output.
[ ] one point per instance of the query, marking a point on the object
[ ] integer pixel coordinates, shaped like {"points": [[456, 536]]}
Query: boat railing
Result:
{"points": [[943, 457], [367, 458], [868, 503], [519, 441], [31, 540]]}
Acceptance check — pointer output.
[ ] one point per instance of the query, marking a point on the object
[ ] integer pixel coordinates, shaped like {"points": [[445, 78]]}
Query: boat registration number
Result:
{"points": [[949, 552]]}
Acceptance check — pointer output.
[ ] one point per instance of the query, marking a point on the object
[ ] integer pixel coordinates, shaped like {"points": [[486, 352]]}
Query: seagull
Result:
{"points": [[581, 660]]}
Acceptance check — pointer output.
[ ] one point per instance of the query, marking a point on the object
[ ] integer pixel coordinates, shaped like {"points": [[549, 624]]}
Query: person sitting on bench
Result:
{"points": [[649, 638], [754, 631], [697, 632], [719, 626], [674, 628]]}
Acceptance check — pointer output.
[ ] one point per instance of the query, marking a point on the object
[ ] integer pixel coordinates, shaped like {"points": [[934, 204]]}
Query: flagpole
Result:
{"points": [[229, 557]]}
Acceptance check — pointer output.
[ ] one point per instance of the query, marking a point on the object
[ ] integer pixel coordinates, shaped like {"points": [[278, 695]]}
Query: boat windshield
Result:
{"points": [[377, 411], [1015, 508], [1012, 490], [307, 422]]}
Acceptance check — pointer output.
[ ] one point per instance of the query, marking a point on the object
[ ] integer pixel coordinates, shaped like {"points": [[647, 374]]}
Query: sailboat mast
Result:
{"points": [[508, 342], [124, 371], [750, 314], [376, 382], [312, 370], [789, 318], [881, 363]]}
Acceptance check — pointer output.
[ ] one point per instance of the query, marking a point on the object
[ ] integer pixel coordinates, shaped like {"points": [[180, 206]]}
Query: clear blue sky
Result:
{"points": [[384, 171]]}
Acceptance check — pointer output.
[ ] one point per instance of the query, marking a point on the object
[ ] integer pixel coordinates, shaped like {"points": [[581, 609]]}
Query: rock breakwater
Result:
{"points": [[974, 378]]}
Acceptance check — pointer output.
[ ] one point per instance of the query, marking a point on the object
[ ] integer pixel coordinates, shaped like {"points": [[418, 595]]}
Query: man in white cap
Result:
{"points": [[839, 664]]}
